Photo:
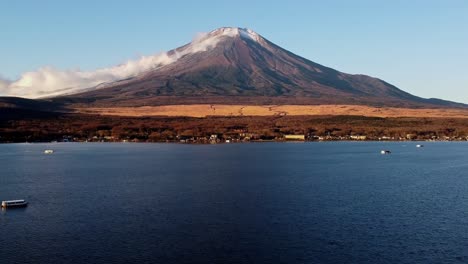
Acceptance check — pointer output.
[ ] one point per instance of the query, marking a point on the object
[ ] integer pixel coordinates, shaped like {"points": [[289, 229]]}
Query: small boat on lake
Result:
{"points": [[419, 146], [385, 152], [48, 151], [14, 203]]}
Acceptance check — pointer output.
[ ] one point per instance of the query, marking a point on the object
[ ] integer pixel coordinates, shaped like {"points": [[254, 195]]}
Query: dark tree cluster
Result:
{"points": [[72, 127]]}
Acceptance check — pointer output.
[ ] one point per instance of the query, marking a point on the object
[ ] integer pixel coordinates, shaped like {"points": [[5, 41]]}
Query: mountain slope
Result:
{"points": [[238, 66]]}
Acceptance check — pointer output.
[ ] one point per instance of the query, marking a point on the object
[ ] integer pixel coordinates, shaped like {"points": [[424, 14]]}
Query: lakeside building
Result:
{"points": [[295, 137], [358, 137]]}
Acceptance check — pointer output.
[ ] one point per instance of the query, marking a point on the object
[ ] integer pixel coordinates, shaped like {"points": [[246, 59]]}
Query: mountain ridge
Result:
{"points": [[233, 65]]}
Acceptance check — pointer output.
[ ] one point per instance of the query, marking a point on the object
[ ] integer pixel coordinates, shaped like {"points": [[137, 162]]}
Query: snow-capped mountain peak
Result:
{"points": [[206, 41], [244, 33]]}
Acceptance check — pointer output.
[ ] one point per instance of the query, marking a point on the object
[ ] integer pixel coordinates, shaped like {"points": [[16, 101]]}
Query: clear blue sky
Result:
{"points": [[419, 46]]}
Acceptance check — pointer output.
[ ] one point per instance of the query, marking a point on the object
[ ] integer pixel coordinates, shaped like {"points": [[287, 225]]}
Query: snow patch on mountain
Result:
{"points": [[249, 34], [244, 33]]}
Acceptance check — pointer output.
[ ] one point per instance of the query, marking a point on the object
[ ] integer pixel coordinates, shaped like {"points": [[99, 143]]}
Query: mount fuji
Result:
{"points": [[233, 65]]}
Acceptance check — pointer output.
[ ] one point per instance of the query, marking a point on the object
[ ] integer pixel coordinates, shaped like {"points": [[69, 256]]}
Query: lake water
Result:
{"points": [[339, 202]]}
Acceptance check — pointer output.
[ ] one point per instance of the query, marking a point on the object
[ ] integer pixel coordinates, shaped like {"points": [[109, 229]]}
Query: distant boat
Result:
{"points": [[384, 152], [48, 151], [14, 203], [419, 146]]}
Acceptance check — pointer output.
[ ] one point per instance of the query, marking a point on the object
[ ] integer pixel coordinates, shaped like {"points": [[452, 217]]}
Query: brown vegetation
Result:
{"points": [[204, 110], [155, 129]]}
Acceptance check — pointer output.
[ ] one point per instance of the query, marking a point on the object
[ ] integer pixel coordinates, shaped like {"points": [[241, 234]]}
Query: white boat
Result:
{"points": [[14, 203], [419, 146], [384, 152], [48, 151]]}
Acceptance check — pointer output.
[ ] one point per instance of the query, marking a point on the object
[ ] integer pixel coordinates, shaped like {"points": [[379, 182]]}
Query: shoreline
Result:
{"points": [[227, 143]]}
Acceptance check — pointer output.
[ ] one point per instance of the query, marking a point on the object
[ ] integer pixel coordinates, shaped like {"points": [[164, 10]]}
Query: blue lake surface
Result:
{"points": [[338, 202]]}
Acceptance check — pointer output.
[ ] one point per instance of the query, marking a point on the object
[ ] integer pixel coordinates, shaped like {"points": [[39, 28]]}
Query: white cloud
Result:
{"points": [[49, 81]]}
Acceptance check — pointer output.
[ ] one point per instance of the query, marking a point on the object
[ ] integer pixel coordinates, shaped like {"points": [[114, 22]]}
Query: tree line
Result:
{"points": [[74, 127]]}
